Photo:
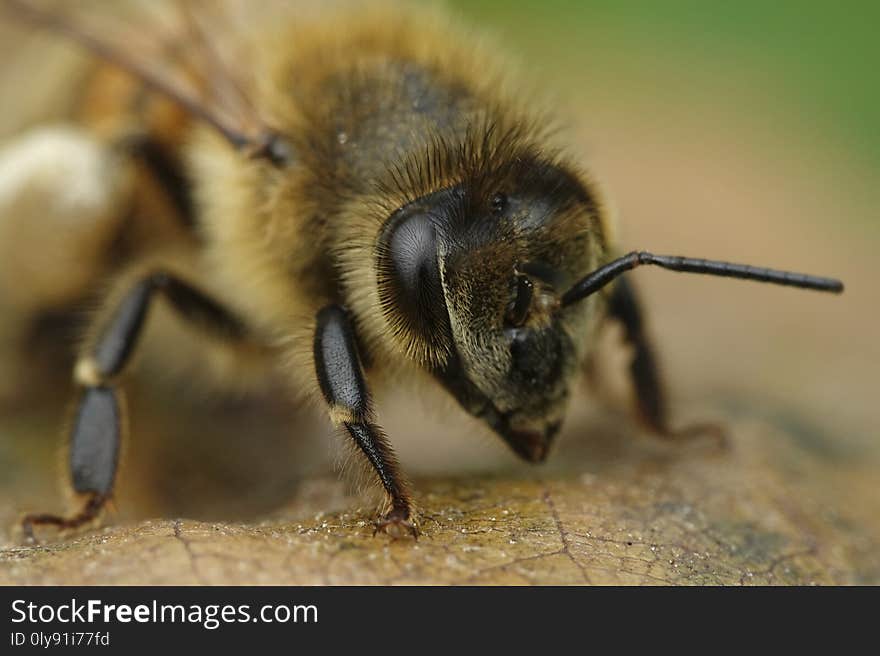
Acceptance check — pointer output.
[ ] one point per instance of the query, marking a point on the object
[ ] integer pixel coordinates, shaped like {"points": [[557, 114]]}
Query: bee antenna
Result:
{"points": [[605, 274]]}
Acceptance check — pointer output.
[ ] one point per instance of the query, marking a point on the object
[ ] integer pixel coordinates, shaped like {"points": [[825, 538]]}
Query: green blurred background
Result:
{"points": [[807, 70]]}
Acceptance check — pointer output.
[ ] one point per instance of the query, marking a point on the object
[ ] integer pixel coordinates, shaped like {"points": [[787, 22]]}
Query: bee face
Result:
{"points": [[471, 276]]}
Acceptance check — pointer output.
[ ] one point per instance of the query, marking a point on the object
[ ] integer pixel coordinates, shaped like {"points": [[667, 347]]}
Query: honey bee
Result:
{"points": [[351, 191]]}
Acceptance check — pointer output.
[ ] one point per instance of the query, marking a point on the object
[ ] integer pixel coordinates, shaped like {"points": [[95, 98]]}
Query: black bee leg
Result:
{"points": [[90, 512], [99, 422], [341, 378], [623, 305]]}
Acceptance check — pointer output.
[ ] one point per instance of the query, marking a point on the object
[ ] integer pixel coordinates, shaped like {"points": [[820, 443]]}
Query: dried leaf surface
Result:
{"points": [[771, 510]]}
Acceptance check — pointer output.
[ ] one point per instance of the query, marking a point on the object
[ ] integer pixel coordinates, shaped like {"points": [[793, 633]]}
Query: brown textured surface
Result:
{"points": [[768, 511]]}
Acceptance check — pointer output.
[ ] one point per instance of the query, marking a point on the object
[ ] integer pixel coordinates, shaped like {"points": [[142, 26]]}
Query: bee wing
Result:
{"points": [[172, 50]]}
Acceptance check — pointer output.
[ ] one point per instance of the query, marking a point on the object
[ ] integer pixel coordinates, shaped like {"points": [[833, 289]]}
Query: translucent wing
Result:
{"points": [[173, 49]]}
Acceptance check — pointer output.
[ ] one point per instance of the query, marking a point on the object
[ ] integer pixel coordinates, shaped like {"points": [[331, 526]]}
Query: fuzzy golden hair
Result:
{"points": [[339, 84]]}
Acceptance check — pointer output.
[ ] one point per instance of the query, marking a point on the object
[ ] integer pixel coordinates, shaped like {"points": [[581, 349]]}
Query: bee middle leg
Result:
{"points": [[342, 383], [650, 392], [99, 421]]}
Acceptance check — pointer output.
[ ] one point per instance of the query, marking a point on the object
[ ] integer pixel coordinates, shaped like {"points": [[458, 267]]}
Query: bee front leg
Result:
{"points": [[99, 422], [650, 392], [342, 383]]}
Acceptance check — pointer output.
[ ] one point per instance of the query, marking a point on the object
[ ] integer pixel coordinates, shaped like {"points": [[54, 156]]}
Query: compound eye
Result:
{"points": [[518, 310], [409, 276], [412, 249]]}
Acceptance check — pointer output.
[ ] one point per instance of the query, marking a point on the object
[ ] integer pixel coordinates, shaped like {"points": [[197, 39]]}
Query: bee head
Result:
{"points": [[470, 280]]}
